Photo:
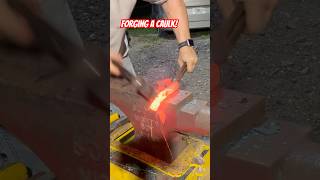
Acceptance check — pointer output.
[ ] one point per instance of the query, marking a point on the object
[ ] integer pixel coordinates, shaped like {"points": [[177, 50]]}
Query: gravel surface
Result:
{"points": [[156, 58], [283, 64], [91, 19]]}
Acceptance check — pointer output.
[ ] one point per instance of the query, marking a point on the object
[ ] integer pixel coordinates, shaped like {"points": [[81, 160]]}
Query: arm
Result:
{"points": [[176, 9], [13, 26], [114, 57]]}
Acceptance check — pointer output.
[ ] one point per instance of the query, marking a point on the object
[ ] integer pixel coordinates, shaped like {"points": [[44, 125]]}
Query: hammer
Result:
{"points": [[143, 89]]}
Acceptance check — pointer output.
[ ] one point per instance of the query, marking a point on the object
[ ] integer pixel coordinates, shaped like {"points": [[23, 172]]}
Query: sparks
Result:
{"points": [[162, 95]]}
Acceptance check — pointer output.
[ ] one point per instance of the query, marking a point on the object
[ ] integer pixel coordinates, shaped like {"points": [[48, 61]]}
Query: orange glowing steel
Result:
{"points": [[162, 95]]}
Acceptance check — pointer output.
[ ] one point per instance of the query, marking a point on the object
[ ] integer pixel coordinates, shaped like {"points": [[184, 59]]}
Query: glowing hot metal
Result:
{"points": [[163, 94]]}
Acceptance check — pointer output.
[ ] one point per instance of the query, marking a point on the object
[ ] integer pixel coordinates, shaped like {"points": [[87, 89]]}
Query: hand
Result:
{"points": [[187, 54], [258, 12], [113, 68], [13, 26]]}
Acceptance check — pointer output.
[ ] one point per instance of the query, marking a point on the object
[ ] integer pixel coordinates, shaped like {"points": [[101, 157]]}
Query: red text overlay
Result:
{"points": [[149, 23]]}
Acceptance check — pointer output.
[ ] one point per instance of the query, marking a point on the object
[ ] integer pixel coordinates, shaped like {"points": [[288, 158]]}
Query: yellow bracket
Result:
{"points": [[178, 167], [118, 173], [114, 117], [17, 171]]}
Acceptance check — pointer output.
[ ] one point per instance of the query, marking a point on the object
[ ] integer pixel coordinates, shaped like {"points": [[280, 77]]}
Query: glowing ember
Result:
{"points": [[163, 94]]}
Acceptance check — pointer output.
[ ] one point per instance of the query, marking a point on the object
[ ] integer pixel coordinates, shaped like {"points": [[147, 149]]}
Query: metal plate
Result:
{"points": [[177, 168]]}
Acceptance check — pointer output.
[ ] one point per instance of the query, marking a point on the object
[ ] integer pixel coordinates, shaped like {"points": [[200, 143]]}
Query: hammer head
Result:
{"points": [[143, 88]]}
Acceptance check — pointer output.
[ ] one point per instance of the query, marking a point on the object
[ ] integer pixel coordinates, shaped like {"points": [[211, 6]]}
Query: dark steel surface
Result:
{"points": [[68, 137], [52, 117], [235, 114], [275, 150], [268, 149], [303, 162], [272, 151]]}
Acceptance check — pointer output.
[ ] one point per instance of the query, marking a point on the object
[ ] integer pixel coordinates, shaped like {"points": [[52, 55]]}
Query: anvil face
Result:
{"points": [[147, 123]]}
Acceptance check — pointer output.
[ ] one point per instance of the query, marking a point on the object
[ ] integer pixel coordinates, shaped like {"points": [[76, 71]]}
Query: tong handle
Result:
{"points": [[181, 72], [228, 33], [236, 16], [236, 23]]}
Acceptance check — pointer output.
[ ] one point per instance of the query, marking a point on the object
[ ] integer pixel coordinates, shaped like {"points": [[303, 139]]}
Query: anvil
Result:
{"points": [[160, 138]]}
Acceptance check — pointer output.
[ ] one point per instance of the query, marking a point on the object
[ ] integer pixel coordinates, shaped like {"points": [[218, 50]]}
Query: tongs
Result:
{"points": [[181, 72]]}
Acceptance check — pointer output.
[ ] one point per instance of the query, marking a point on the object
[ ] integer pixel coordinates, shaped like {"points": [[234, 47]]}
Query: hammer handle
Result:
{"points": [[124, 72]]}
